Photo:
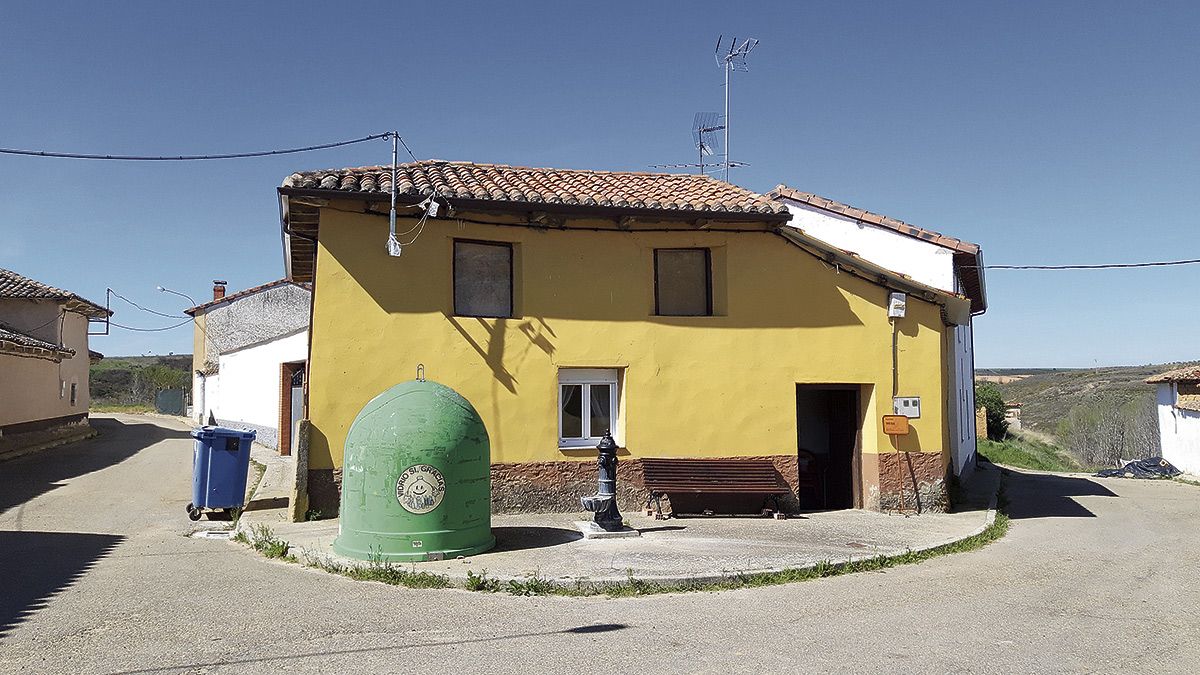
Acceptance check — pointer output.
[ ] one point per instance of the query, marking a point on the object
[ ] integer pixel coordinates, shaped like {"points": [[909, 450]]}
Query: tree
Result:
{"points": [[988, 396]]}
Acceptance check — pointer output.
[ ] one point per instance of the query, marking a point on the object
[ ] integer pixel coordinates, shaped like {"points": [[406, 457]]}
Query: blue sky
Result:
{"points": [[1046, 132]]}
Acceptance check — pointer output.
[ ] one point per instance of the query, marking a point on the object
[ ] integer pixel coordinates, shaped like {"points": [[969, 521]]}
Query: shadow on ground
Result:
{"points": [[36, 566], [27, 477], [521, 538], [1039, 495]]}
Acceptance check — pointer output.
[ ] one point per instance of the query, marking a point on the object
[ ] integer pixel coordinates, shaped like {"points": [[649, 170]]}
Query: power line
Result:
{"points": [[185, 158], [149, 330], [1102, 266], [145, 309]]}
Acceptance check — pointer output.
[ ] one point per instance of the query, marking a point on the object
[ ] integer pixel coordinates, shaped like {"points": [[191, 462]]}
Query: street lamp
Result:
{"points": [[182, 295]]}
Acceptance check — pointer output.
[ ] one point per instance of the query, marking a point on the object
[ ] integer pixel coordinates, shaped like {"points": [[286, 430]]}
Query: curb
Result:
{"points": [[46, 445]]}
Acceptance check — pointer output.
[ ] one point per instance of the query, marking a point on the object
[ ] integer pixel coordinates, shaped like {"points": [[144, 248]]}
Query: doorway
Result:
{"points": [[827, 446], [291, 404]]}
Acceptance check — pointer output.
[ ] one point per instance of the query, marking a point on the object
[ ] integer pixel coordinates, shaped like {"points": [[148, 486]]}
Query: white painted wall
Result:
{"points": [[925, 262], [1180, 431], [249, 381]]}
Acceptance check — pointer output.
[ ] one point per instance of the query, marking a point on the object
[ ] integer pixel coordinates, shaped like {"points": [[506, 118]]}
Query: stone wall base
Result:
{"points": [[549, 487], [910, 481]]}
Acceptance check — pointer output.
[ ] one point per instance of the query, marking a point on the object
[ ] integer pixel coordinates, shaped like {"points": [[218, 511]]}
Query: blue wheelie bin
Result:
{"points": [[219, 468]]}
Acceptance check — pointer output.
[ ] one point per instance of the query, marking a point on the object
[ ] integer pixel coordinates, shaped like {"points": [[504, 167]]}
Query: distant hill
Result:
{"points": [[134, 380], [1047, 395]]}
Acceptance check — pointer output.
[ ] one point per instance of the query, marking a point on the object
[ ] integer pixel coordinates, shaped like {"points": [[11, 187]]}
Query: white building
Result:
{"points": [[1179, 417], [249, 361], [926, 257]]}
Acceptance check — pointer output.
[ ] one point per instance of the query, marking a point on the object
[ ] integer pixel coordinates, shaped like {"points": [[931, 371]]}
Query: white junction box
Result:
{"points": [[909, 406], [897, 303]]}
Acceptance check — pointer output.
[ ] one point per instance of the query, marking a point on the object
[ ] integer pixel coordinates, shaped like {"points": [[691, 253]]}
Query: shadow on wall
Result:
{"points": [[1035, 495], [567, 287], [24, 478], [36, 566]]}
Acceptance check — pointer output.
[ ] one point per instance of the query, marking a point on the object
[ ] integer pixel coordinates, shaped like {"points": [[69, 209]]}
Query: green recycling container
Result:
{"points": [[416, 478]]}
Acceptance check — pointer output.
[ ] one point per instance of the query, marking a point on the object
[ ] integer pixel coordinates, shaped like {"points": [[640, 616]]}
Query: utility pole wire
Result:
{"points": [[1102, 266], [186, 158]]}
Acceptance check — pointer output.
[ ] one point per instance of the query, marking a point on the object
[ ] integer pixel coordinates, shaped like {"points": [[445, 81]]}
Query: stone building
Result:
{"points": [[248, 360]]}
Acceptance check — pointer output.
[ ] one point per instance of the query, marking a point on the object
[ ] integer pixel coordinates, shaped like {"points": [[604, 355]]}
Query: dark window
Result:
{"points": [[483, 279], [682, 282], [73, 385]]}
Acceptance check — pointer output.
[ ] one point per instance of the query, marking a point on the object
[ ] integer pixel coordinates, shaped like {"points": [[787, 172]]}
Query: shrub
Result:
{"points": [[988, 396]]}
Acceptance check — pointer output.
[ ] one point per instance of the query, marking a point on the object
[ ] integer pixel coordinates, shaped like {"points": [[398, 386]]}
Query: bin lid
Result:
{"points": [[209, 432]]}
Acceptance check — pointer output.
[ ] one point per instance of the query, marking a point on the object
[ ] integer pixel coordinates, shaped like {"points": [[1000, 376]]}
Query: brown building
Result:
{"points": [[44, 356]]}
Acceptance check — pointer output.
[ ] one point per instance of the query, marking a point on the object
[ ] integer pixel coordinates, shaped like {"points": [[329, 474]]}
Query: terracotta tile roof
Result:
{"points": [[526, 185], [1188, 374], [12, 339], [785, 192], [201, 308], [13, 285], [1190, 406]]}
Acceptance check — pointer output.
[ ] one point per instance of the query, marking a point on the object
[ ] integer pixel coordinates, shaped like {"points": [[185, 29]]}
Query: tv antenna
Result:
{"points": [[706, 140], [731, 55]]}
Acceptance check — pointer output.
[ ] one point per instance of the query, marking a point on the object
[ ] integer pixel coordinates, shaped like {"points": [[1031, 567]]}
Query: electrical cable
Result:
{"points": [[149, 330], [146, 309], [186, 158], [1102, 266]]}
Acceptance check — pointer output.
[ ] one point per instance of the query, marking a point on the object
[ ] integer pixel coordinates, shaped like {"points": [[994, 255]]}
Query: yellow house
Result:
{"points": [[673, 310]]}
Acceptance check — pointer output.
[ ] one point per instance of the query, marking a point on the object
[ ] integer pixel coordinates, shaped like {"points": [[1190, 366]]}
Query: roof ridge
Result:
{"points": [[783, 191]]}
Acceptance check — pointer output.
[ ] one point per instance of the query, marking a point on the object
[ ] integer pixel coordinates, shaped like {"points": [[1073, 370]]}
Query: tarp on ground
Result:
{"points": [[1151, 467]]}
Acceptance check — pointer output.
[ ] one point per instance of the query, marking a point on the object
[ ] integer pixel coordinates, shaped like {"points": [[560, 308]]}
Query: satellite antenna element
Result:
{"points": [[731, 55], [704, 135]]}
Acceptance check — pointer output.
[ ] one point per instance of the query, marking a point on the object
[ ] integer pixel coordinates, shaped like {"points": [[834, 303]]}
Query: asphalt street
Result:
{"points": [[97, 575]]}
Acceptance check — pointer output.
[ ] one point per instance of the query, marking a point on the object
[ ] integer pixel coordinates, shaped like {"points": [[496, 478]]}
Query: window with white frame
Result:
{"points": [[587, 406]]}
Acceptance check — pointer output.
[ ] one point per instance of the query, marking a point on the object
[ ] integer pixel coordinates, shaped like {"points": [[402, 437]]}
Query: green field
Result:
{"points": [[1027, 453]]}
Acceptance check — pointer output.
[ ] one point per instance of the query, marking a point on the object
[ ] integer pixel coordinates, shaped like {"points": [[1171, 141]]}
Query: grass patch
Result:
{"points": [[263, 540], [382, 571], [1027, 453], [481, 582], [1186, 481], [132, 408]]}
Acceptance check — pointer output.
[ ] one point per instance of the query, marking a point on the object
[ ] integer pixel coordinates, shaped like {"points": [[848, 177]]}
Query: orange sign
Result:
{"points": [[895, 425]]}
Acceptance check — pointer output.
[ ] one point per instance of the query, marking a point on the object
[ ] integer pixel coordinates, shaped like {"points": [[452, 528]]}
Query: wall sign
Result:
{"points": [[420, 488], [895, 425]]}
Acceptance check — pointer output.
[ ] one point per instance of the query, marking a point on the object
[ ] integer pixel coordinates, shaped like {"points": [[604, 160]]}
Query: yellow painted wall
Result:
{"points": [[693, 386]]}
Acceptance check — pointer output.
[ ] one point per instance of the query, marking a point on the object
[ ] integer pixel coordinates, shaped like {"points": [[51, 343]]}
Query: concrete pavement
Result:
{"points": [[678, 550], [97, 575]]}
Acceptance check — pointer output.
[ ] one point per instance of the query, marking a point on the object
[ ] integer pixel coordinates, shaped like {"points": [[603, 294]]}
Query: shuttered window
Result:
{"points": [[483, 279], [682, 282]]}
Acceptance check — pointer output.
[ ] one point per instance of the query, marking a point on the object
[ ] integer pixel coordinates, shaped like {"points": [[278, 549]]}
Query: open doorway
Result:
{"points": [[291, 404], [827, 446]]}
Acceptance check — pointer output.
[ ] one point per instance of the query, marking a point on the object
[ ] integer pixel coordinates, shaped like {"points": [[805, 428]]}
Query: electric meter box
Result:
{"points": [[909, 406], [897, 304], [416, 478]]}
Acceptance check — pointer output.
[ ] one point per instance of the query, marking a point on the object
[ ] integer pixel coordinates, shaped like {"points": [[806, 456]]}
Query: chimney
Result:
{"points": [[218, 289]]}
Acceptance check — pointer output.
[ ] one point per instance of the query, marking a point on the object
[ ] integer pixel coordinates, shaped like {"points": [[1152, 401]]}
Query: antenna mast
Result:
{"points": [[730, 58]]}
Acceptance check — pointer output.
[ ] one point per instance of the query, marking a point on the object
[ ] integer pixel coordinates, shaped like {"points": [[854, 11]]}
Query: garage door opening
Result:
{"points": [[828, 425]]}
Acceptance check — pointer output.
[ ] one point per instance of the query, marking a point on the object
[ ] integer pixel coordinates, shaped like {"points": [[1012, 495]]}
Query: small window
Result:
{"points": [[483, 279], [73, 389], [587, 406], [682, 282]]}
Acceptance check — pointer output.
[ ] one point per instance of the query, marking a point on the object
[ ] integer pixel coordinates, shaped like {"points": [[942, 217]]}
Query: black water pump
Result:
{"points": [[604, 503]]}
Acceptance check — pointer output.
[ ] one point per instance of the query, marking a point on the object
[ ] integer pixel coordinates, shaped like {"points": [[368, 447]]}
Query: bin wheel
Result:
{"points": [[193, 512]]}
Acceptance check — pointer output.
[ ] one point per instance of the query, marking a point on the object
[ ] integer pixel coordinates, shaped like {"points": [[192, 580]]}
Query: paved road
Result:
{"points": [[96, 576]]}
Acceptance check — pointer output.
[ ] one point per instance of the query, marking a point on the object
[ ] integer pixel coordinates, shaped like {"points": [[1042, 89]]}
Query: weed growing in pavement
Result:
{"points": [[263, 540], [312, 514], [481, 582], [533, 585]]}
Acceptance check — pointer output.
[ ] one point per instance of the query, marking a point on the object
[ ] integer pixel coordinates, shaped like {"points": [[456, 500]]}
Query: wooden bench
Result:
{"points": [[668, 476]]}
